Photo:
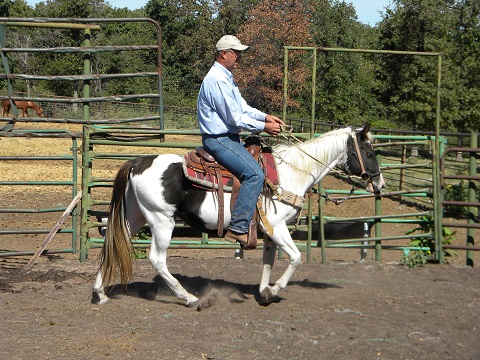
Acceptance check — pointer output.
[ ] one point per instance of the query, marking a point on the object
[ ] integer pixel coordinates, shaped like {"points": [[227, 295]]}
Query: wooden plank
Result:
{"points": [[52, 233]]}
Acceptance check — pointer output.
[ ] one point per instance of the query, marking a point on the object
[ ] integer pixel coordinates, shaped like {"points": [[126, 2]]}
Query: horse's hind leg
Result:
{"points": [[99, 289], [162, 228]]}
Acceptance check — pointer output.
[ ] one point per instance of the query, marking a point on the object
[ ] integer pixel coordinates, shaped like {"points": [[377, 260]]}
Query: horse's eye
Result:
{"points": [[369, 154]]}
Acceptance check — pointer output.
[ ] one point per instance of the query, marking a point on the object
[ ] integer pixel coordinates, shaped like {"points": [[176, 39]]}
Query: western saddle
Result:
{"points": [[204, 172]]}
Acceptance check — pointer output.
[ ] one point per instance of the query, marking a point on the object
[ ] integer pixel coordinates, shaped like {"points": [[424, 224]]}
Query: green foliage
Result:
{"points": [[388, 90], [346, 84], [119, 34], [75, 9], [466, 58], [189, 34], [416, 259], [458, 192], [421, 257], [409, 81], [141, 252], [232, 14], [17, 8]]}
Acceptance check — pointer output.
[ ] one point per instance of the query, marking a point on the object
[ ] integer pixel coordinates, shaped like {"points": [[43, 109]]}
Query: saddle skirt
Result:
{"points": [[204, 172]]}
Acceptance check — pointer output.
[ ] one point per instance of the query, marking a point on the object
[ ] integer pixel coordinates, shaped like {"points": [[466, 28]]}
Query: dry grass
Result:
{"points": [[61, 170]]}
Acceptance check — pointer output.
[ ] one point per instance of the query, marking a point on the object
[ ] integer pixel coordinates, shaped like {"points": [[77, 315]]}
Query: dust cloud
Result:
{"points": [[214, 295]]}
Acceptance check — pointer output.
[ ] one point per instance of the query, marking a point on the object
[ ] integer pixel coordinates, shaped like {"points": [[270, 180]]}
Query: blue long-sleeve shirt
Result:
{"points": [[221, 108]]}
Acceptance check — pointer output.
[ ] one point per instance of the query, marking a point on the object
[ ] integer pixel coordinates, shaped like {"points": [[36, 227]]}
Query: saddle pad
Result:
{"points": [[270, 168], [204, 180]]}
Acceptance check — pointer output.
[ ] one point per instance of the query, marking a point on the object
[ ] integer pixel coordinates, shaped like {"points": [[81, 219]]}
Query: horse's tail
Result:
{"points": [[117, 247]]}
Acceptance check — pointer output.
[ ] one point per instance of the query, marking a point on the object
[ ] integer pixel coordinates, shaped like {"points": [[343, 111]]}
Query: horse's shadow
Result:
{"points": [[200, 287]]}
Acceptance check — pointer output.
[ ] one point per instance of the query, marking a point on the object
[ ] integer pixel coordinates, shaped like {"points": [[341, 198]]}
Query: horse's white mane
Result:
{"points": [[319, 147], [325, 149]]}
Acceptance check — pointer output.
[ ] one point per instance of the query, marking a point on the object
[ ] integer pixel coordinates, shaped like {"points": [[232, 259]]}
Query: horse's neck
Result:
{"points": [[304, 165], [37, 108]]}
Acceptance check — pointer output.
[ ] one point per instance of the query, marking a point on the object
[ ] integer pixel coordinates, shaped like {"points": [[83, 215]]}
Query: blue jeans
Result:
{"points": [[229, 152]]}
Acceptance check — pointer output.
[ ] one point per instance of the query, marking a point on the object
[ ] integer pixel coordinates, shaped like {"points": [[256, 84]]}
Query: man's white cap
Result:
{"points": [[230, 42]]}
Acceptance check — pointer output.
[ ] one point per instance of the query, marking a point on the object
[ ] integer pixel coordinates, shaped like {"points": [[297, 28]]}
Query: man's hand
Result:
{"points": [[273, 125]]}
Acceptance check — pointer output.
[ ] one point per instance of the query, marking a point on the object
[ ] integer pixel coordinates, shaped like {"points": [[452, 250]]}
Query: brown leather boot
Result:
{"points": [[243, 239]]}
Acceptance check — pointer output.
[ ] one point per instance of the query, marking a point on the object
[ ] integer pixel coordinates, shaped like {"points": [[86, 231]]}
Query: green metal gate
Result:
{"points": [[86, 102], [472, 203]]}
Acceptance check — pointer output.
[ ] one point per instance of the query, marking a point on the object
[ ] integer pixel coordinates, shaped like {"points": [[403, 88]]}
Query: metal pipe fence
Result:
{"points": [[65, 110], [12, 211], [410, 163]]}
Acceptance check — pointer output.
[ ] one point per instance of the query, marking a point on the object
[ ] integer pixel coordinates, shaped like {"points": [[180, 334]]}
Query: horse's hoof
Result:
{"points": [[99, 299], [103, 301], [193, 302], [266, 296]]}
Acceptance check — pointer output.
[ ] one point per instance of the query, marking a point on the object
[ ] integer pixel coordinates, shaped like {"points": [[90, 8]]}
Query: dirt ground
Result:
{"points": [[343, 309]]}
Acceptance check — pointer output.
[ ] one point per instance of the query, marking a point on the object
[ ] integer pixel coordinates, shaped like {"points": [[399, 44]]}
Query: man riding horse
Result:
{"points": [[222, 115]]}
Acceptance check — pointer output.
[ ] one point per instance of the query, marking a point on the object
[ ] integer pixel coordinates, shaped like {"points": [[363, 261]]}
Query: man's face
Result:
{"points": [[232, 58]]}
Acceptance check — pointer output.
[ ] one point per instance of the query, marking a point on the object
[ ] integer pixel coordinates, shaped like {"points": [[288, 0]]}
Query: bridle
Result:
{"points": [[365, 175]]}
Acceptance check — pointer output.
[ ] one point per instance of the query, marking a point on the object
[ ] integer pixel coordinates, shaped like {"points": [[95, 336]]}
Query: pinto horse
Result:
{"points": [[23, 105], [154, 190]]}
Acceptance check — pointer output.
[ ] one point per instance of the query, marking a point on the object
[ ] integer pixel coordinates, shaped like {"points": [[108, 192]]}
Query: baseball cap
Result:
{"points": [[230, 42]]}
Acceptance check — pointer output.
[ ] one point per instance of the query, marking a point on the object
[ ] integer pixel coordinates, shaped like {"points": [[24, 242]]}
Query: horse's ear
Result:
{"points": [[365, 130]]}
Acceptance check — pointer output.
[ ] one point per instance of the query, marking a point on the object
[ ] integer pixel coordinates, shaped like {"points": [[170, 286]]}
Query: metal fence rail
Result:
{"points": [[24, 162], [472, 203], [72, 110], [85, 51], [393, 171]]}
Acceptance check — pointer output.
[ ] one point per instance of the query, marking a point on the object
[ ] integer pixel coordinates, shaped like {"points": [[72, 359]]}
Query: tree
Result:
{"points": [[5, 8], [18, 37], [62, 63], [189, 33], [125, 33], [466, 59], [410, 81], [346, 82], [272, 25], [232, 14]]}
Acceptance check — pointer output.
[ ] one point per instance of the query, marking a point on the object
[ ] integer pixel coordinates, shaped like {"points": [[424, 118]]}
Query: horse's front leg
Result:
{"points": [[269, 251], [282, 238]]}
